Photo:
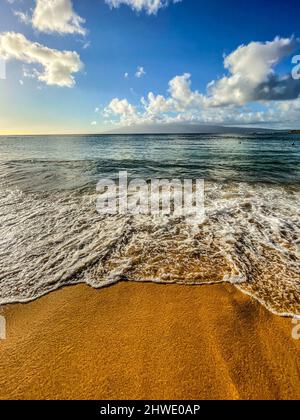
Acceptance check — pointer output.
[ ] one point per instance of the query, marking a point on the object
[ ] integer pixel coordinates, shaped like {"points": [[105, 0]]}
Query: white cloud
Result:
{"points": [[57, 16], [155, 105], [140, 72], [150, 6], [57, 66], [252, 78], [181, 93], [252, 75], [121, 107], [23, 17], [86, 45], [126, 75]]}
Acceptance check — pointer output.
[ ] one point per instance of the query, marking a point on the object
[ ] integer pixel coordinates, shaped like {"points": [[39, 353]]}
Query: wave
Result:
{"points": [[249, 238]]}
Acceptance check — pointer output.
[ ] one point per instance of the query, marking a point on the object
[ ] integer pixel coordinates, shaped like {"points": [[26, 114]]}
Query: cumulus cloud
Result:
{"points": [[182, 94], [56, 16], [123, 109], [251, 78], [58, 67], [150, 6], [155, 105]]}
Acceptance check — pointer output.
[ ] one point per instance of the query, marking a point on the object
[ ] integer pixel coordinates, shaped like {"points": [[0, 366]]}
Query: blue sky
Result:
{"points": [[185, 42]]}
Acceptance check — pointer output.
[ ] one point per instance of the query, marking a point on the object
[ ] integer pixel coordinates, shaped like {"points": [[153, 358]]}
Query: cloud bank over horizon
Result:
{"points": [[251, 78], [252, 89]]}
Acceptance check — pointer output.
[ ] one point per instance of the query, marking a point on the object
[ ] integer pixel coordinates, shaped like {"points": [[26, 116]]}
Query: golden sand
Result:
{"points": [[148, 341]]}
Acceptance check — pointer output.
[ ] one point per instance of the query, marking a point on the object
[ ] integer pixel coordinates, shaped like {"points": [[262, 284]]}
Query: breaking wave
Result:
{"points": [[250, 238]]}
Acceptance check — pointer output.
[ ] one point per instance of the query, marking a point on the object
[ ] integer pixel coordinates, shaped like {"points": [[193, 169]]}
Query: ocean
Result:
{"points": [[51, 234]]}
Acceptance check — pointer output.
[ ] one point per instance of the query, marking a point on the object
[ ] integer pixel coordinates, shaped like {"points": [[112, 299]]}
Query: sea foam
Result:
{"points": [[250, 238]]}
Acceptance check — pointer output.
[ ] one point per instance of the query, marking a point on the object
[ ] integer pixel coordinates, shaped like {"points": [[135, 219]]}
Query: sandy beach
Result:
{"points": [[147, 341]]}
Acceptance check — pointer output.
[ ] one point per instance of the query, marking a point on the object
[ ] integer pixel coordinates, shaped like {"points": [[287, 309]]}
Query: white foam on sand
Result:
{"points": [[250, 238]]}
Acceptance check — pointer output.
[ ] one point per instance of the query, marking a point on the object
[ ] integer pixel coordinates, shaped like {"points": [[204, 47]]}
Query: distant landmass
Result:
{"points": [[294, 131], [186, 129]]}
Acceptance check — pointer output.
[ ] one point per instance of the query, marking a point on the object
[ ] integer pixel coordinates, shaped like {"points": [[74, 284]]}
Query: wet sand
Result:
{"points": [[148, 341]]}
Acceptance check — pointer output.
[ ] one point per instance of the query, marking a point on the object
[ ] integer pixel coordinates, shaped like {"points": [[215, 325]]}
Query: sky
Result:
{"points": [[89, 66]]}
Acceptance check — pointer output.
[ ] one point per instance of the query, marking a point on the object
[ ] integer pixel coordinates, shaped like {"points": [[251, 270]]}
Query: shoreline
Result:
{"points": [[147, 341], [158, 282], [181, 284]]}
